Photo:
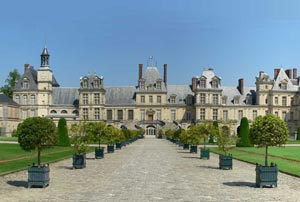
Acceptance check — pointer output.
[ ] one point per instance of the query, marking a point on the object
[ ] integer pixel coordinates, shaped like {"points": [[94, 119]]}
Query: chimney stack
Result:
{"points": [[289, 73], [140, 71], [241, 86], [194, 83], [295, 73], [260, 73], [276, 72], [26, 67], [165, 73]]}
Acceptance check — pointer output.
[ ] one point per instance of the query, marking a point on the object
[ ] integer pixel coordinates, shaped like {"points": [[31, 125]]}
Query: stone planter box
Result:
{"points": [[186, 146], [79, 161], [266, 175], [225, 162], [118, 145], [38, 176], [99, 153], [193, 149], [204, 154], [110, 148]]}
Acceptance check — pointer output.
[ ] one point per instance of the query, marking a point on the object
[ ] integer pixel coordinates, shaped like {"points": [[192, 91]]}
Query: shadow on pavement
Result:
{"points": [[66, 167], [191, 157], [209, 167], [18, 183], [183, 152], [240, 184]]}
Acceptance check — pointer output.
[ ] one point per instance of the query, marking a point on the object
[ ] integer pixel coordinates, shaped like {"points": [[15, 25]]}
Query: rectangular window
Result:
{"points": [[96, 84], [202, 114], [158, 114], [202, 83], [97, 114], [85, 113], [276, 100], [32, 113], [32, 99], [18, 99], [159, 99], [172, 99], [173, 114], [188, 116], [158, 86], [142, 115], [284, 101], [215, 114], [25, 84], [224, 99], [85, 98], [240, 114], [215, 99], [276, 114], [225, 115], [202, 98], [214, 84], [109, 114], [24, 114], [25, 99], [97, 98], [254, 114], [284, 116], [142, 99], [120, 114], [292, 116], [130, 114], [150, 99]]}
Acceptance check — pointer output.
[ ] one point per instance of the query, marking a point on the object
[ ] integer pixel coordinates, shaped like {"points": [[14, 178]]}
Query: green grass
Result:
{"points": [[16, 159], [2, 138], [287, 158], [293, 142]]}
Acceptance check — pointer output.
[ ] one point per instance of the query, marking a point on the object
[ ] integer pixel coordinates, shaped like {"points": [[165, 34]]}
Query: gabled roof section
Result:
{"points": [[31, 74], [65, 96], [209, 75], [231, 93], [120, 95], [282, 78], [151, 75], [6, 100], [181, 92]]}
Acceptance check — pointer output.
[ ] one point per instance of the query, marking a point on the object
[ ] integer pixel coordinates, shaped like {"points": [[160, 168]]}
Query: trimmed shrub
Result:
{"points": [[62, 131], [244, 140]]}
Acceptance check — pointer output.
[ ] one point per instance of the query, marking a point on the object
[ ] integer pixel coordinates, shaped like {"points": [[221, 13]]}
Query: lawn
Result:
{"points": [[287, 158], [13, 158], [3, 138]]}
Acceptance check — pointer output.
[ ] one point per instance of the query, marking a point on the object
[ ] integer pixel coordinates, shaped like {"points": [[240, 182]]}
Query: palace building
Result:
{"points": [[154, 104]]}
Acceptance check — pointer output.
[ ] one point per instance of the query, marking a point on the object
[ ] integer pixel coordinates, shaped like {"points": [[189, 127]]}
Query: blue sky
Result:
{"points": [[238, 38]]}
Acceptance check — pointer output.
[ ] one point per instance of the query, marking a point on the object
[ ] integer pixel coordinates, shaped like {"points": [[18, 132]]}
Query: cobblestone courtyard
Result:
{"points": [[149, 170]]}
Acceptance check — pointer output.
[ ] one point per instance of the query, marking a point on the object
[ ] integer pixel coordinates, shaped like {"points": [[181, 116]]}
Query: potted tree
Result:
{"points": [[120, 137], [206, 129], [110, 138], [267, 131], [183, 137], [37, 133], [96, 131], [225, 142], [194, 138], [80, 140]]}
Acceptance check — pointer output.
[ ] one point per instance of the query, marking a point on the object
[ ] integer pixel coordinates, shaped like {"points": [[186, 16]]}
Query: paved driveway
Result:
{"points": [[149, 170]]}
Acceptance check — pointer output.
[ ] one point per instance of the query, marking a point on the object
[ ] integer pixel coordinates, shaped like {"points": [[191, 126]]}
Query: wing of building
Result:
{"points": [[154, 104]]}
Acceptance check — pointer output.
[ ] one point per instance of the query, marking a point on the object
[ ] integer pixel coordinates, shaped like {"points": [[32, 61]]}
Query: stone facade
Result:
{"points": [[154, 104]]}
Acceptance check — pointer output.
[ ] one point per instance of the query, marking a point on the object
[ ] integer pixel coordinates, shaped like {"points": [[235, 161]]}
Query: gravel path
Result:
{"points": [[149, 170]]}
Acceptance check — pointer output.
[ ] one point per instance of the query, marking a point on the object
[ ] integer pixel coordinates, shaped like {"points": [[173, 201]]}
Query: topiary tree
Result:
{"points": [[243, 130], [268, 130], [62, 133], [36, 133]]}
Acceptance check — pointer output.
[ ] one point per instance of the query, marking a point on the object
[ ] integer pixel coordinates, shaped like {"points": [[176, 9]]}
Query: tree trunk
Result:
{"points": [[204, 142], [39, 157], [266, 156]]}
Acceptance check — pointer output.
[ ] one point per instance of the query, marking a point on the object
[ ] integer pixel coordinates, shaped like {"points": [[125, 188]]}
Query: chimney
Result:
{"points": [[260, 73], [26, 67], [194, 83], [289, 73], [165, 73], [295, 73], [241, 86], [140, 71], [276, 72]]}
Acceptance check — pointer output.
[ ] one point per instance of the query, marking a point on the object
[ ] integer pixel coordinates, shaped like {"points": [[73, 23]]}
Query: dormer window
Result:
{"points": [[96, 83], [215, 84], [172, 98], [85, 83], [283, 86], [158, 85], [202, 83], [236, 100], [25, 84], [142, 85], [224, 100]]}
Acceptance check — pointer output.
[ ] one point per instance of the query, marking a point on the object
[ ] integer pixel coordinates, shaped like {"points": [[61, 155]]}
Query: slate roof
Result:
{"points": [[181, 92], [31, 75], [7, 100], [231, 92], [282, 77], [65, 96], [119, 95]]}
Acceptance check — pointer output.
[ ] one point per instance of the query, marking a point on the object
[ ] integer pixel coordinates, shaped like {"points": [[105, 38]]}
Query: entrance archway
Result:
{"points": [[151, 130]]}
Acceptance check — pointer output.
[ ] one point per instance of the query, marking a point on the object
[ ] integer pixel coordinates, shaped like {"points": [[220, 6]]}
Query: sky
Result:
{"points": [[237, 38]]}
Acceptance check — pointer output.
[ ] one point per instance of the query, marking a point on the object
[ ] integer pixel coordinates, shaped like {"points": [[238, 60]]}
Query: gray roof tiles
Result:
{"points": [[65, 96], [6, 100], [120, 95]]}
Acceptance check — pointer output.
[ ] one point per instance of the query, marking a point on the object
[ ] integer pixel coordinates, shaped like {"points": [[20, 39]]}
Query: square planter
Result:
{"points": [[225, 162], [38, 176], [180, 144], [110, 148], [193, 149], [118, 145], [266, 175], [79, 161], [186, 146], [204, 154], [99, 153]]}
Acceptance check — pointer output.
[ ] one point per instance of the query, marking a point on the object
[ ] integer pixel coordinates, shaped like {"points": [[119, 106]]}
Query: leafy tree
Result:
{"points": [[79, 137], [212, 135], [36, 133], [95, 131], [225, 139], [268, 130], [62, 131], [10, 82], [243, 131]]}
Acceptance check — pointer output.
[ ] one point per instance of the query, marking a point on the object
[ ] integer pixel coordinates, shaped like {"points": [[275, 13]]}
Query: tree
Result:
{"points": [[62, 131], [225, 139], [10, 82], [268, 130], [80, 137], [212, 136], [243, 132], [36, 133]]}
